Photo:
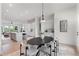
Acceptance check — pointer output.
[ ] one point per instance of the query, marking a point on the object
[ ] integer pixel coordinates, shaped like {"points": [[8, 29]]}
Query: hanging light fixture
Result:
{"points": [[43, 19], [11, 24]]}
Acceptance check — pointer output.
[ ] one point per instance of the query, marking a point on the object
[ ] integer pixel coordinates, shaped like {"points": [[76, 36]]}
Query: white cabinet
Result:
{"points": [[19, 37]]}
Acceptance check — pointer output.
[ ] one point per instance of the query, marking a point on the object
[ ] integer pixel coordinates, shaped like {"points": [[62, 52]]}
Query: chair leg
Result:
{"points": [[37, 54], [55, 48], [26, 51], [50, 50], [56, 44], [20, 50], [55, 52]]}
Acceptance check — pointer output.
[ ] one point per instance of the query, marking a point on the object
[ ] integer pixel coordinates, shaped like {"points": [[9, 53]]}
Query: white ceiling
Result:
{"points": [[27, 11]]}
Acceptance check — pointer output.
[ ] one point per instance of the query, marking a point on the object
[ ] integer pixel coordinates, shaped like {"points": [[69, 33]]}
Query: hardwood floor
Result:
{"points": [[13, 49], [10, 48], [67, 50]]}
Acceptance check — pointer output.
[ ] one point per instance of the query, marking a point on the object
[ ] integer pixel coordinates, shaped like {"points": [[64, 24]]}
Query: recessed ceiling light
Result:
{"points": [[23, 27], [10, 5]]}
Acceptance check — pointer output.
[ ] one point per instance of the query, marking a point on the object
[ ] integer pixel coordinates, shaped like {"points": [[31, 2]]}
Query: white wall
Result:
{"points": [[68, 37], [28, 28], [78, 28], [0, 26], [37, 27], [48, 24]]}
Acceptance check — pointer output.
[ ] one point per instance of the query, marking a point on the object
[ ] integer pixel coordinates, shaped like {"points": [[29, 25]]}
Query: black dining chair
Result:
{"points": [[46, 39]]}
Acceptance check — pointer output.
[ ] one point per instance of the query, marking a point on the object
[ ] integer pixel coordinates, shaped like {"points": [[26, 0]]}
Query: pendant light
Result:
{"points": [[43, 19], [11, 25]]}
